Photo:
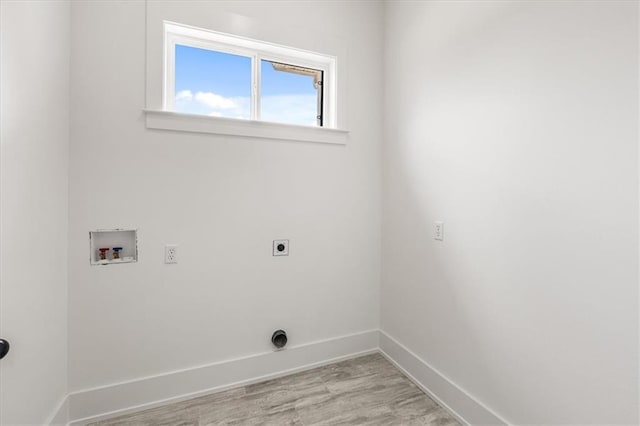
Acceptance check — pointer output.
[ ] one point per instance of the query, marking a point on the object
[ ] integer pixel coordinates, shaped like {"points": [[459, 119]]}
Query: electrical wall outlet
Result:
{"points": [[281, 247], [438, 230], [171, 253]]}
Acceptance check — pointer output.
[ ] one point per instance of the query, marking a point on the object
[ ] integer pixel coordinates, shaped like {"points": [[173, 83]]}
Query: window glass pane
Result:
{"points": [[289, 94], [212, 83]]}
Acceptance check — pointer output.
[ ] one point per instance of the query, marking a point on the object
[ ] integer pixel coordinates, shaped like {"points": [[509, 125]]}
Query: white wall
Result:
{"points": [[516, 124], [33, 186], [223, 200]]}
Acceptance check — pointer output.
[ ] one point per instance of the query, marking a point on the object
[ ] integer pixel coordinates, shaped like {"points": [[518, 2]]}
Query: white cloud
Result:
{"points": [[215, 101], [212, 104], [184, 95], [291, 109]]}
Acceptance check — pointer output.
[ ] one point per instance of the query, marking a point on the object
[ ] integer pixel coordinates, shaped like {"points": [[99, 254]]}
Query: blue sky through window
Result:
{"points": [[219, 84], [287, 97]]}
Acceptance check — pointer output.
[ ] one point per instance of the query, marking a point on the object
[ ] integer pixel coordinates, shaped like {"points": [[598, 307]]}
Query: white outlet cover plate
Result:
{"points": [[438, 230], [171, 253], [276, 251]]}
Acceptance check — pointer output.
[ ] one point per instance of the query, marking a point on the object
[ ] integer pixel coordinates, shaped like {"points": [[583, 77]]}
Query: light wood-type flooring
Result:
{"points": [[367, 390]]}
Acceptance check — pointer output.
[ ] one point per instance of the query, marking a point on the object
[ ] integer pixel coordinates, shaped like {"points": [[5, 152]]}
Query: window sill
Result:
{"points": [[167, 120]]}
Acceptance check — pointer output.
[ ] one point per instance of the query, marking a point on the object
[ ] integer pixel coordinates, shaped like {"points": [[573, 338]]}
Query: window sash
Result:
{"points": [[176, 34]]}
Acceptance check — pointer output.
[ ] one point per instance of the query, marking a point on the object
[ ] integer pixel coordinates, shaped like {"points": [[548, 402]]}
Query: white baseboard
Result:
{"points": [[90, 405], [60, 415], [452, 397]]}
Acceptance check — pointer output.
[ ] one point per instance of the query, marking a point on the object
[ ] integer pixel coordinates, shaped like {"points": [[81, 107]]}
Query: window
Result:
{"points": [[221, 75]]}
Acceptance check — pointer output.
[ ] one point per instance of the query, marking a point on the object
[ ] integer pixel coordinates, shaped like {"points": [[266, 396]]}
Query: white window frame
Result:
{"points": [[179, 34]]}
